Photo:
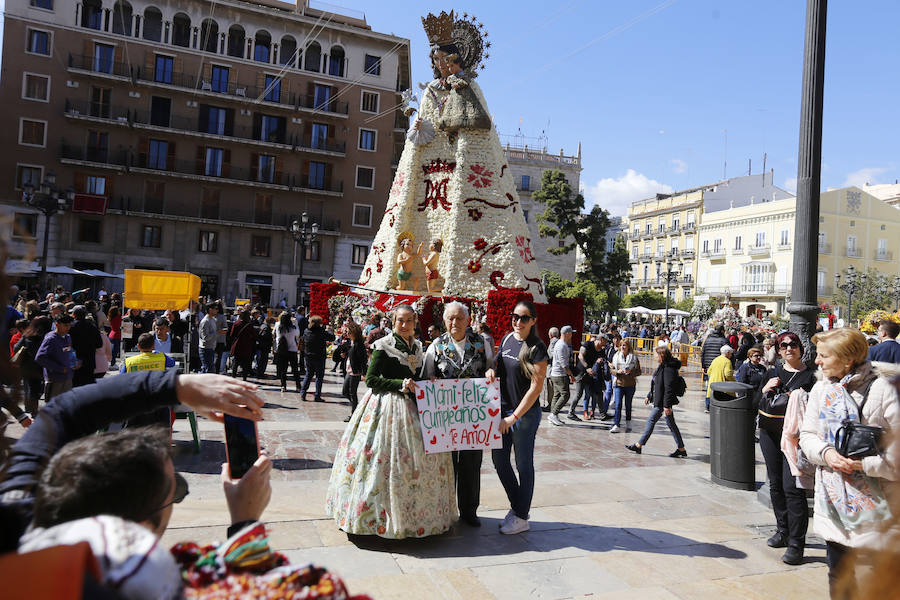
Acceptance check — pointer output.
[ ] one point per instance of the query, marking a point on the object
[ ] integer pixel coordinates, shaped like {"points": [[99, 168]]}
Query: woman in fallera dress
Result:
{"points": [[382, 482]]}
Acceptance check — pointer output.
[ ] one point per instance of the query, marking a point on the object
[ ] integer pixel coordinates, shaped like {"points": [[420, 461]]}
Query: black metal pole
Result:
{"points": [[668, 285], [44, 251], [302, 242], [804, 307]]}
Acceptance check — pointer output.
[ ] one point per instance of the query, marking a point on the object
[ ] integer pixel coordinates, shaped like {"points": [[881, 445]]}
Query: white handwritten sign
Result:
{"points": [[459, 414]]}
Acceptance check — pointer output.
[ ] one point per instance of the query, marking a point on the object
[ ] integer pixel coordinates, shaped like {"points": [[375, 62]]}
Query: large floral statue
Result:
{"points": [[453, 184]]}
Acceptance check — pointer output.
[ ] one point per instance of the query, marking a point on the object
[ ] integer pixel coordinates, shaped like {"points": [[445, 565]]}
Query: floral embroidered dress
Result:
{"points": [[453, 184], [382, 482]]}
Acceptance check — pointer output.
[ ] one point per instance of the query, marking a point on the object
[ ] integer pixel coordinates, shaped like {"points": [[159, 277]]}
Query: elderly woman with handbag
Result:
{"points": [[788, 501], [850, 432]]}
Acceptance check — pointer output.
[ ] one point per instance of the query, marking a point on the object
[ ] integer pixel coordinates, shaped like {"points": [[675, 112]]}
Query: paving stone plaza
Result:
{"points": [[605, 523]]}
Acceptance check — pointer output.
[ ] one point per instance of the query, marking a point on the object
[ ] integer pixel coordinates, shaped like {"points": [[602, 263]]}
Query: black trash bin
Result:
{"points": [[732, 423]]}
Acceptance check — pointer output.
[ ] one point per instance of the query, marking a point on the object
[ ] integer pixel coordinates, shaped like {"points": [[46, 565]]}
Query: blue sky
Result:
{"points": [[648, 86]]}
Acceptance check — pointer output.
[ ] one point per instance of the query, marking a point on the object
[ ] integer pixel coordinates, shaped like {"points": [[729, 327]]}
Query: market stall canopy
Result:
{"points": [[65, 271], [99, 273], [20, 267], [673, 312], [641, 310], [160, 290]]}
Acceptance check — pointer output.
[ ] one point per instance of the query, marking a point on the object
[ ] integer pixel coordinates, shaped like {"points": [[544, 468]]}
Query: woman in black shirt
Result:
{"points": [[522, 367], [357, 359]]}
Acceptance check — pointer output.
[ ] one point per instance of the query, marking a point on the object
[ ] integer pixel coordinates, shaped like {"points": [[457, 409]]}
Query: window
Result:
{"points": [[717, 246], [676, 221], [104, 55], [661, 225], [154, 196], [367, 139], [649, 229], [98, 146], [738, 242], [336, 60], [881, 253], [160, 111], [757, 278], [36, 87], [92, 14], [32, 133], [212, 166], [273, 88], [38, 42], [266, 168], [27, 174], [661, 249], [526, 182], [95, 184], [369, 102], [706, 246], [271, 129], [634, 252], [100, 102], [209, 241], [851, 246], [260, 245], [156, 158], [689, 243], [321, 97], [313, 251], [209, 204], [260, 52], [690, 218], [263, 209], [365, 177], [209, 285], [219, 79], [373, 64], [163, 72], [823, 241], [89, 230], [316, 175], [359, 254], [362, 215], [318, 136], [673, 250], [784, 239], [760, 239], [25, 225], [150, 236], [45, 4], [215, 120]]}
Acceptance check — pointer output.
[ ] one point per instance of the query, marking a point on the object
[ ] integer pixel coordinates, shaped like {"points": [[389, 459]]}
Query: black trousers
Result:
{"points": [[788, 501], [841, 582], [282, 360], [467, 472], [351, 384]]}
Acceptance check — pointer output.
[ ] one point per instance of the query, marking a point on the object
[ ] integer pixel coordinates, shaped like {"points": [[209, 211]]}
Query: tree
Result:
{"points": [[647, 298], [564, 218], [873, 294], [595, 299], [685, 304]]}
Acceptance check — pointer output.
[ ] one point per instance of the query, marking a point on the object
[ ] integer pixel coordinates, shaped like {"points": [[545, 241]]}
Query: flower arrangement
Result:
{"points": [[727, 317], [499, 306], [871, 320]]}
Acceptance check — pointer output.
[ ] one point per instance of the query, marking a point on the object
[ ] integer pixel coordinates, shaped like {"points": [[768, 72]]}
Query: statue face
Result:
{"points": [[405, 243], [443, 64]]}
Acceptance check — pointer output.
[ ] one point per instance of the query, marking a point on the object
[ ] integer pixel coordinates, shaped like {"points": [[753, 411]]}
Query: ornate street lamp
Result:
{"points": [[49, 200], [670, 274], [304, 234], [891, 288], [854, 282]]}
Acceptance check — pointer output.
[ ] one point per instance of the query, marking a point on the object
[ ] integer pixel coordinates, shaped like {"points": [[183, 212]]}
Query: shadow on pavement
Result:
{"points": [[298, 464], [546, 537]]}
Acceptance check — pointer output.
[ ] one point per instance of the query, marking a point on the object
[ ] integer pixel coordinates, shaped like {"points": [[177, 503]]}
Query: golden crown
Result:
{"points": [[439, 29]]}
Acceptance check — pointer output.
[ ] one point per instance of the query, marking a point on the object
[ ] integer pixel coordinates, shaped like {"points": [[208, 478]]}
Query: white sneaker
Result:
{"points": [[506, 519], [554, 420], [614, 429], [515, 525]]}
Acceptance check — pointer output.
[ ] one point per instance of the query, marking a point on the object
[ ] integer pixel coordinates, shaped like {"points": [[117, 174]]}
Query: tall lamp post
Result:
{"points": [[853, 283], [304, 234], [673, 270], [892, 289], [49, 200]]}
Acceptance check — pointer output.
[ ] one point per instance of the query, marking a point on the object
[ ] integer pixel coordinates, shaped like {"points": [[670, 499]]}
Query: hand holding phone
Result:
{"points": [[241, 445], [248, 496]]}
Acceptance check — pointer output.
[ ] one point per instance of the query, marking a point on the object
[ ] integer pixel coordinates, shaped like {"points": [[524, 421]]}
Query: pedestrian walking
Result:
{"points": [[665, 387], [287, 340], [356, 359], [626, 368], [315, 339], [561, 374]]}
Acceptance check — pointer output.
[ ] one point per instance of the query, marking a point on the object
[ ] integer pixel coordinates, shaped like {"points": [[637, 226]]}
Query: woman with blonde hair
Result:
{"points": [[856, 487], [625, 370]]}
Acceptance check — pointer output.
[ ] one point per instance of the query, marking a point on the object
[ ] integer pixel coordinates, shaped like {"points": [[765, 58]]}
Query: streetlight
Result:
{"points": [[670, 274], [892, 289], [304, 234], [49, 200], [855, 281]]}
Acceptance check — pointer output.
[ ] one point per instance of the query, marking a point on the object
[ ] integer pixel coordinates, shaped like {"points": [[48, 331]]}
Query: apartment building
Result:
{"points": [[195, 132], [526, 165], [747, 253]]}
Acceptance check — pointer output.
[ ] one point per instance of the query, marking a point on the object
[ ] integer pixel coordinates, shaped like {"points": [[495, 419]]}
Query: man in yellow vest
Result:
{"points": [[148, 360]]}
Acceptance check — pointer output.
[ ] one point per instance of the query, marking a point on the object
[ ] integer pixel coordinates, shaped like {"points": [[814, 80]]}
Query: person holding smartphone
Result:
{"points": [[625, 370], [522, 368]]}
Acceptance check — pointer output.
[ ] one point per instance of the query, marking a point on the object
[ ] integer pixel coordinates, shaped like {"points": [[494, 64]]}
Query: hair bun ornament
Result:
{"points": [[469, 36]]}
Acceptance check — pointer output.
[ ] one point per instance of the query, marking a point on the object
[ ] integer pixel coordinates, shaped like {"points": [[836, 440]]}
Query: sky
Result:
{"points": [[671, 94]]}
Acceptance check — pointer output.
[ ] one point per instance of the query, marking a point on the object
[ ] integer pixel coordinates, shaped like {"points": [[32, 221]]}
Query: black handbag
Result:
{"points": [[773, 406], [855, 440]]}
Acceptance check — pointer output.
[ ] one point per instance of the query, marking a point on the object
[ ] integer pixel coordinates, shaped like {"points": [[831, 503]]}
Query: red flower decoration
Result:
{"points": [[480, 244], [474, 266]]}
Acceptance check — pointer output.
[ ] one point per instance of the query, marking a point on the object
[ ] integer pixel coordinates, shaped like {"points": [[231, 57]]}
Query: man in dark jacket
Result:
{"points": [[888, 350], [85, 341], [55, 357], [314, 340], [711, 350]]}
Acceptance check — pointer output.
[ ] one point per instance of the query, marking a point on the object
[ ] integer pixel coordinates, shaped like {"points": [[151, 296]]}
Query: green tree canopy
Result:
{"points": [[595, 299], [646, 298], [874, 294]]}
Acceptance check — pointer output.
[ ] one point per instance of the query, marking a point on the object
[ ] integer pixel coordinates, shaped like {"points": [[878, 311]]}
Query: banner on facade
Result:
{"points": [[459, 414]]}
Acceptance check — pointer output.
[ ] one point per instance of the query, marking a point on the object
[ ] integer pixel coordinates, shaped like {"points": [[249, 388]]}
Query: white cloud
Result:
{"points": [[678, 165], [863, 176], [790, 184], [617, 194]]}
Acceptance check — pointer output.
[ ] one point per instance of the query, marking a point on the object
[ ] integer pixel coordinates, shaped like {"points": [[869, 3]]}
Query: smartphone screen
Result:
{"points": [[241, 445]]}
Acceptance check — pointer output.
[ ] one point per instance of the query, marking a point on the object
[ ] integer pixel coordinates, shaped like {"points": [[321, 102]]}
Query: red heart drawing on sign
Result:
{"points": [[433, 440], [421, 395], [420, 412], [475, 425], [455, 407], [496, 398], [491, 411]]}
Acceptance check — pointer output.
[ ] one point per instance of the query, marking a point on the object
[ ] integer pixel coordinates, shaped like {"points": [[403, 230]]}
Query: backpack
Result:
{"points": [[679, 386]]}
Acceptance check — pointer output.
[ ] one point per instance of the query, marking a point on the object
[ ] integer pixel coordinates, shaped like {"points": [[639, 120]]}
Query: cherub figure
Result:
{"points": [[431, 266], [404, 263]]}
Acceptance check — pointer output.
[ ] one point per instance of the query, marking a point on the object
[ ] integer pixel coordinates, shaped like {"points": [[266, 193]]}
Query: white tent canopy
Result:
{"points": [[641, 310], [99, 273], [65, 271], [673, 312]]}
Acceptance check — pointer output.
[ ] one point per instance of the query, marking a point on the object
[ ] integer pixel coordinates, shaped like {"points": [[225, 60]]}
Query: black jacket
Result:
{"points": [[85, 341], [712, 348], [358, 357], [662, 391], [70, 416], [314, 340]]}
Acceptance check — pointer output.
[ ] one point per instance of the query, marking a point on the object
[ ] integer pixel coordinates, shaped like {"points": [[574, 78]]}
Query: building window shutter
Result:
{"points": [[278, 172], [254, 166], [226, 163], [201, 153], [170, 156]]}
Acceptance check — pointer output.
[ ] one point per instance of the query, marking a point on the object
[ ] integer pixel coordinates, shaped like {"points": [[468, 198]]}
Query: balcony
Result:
{"points": [[687, 280], [714, 254], [784, 247], [634, 258], [660, 232], [687, 253], [690, 226], [231, 90], [674, 228], [852, 252], [647, 256], [401, 121], [93, 157], [737, 251], [883, 255], [824, 248], [760, 250]]}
